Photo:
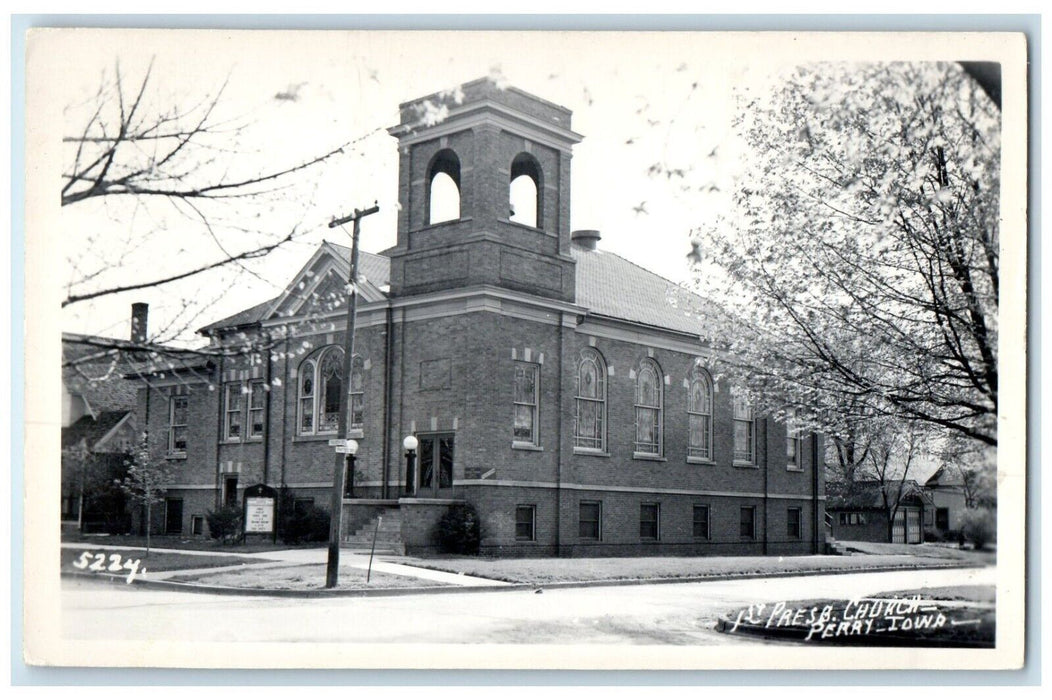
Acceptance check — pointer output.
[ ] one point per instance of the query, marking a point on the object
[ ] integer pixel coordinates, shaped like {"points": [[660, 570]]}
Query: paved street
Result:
{"points": [[682, 614]]}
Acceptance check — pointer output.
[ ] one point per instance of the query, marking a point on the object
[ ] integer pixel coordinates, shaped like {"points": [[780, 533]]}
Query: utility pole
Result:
{"points": [[332, 570]]}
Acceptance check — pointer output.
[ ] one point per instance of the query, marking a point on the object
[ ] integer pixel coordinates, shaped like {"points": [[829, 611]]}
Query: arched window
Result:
{"points": [[648, 409], [699, 414], [744, 432], [357, 393], [590, 403], [524, 193], [443, 191], [320, 386], [308, 370]]}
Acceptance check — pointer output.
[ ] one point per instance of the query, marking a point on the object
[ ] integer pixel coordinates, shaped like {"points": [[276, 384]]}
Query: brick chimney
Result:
{"points": [[139, 313]]}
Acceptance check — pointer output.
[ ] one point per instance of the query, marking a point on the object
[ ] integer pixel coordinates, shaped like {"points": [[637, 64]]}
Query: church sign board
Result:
{"points": [[260, 511]]}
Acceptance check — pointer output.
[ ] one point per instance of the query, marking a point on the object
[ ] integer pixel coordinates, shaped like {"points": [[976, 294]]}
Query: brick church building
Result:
{"points": [[558, 388]]}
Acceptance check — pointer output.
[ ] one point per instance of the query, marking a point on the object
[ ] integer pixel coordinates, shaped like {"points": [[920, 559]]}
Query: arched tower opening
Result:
{"points": [[524, 191], [484, 193], [443, 192]]}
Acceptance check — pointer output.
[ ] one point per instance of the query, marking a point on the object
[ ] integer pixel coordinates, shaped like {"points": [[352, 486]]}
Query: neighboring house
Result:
{"points": [[858, 513], [946, 490], [560, 389], [99, 428], [94, 452]]}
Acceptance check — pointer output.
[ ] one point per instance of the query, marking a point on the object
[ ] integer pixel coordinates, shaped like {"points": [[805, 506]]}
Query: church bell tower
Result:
{"points": [[484, 189]]}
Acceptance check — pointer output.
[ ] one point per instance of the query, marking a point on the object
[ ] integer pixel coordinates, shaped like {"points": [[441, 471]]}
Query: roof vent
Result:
{"points": [[585, 239]]}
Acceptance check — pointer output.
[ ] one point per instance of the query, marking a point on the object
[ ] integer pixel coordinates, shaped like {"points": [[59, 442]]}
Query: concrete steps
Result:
{"points": [[388, 534], [834, 547]]}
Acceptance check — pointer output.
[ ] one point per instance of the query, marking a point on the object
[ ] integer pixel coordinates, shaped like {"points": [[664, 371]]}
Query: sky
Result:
{"points": [[658, 161], [640, 100]]}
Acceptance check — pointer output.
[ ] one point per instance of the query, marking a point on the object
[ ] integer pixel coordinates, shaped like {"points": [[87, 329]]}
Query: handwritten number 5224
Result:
{"points": [[97, 562]]}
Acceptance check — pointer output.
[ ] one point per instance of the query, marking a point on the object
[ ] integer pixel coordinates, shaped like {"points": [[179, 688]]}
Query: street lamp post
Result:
{"points": [[410, 444]]}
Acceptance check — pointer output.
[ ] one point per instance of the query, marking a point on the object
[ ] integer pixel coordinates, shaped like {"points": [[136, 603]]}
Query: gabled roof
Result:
{"points": [[373, 268], [943, 477], [374, 273], [92, 430], [867, 495], [609, 285], [248, 317], [93, 367]]}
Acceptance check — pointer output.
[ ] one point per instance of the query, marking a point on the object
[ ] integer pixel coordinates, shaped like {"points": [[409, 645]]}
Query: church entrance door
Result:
{"points": [[436, 466]]}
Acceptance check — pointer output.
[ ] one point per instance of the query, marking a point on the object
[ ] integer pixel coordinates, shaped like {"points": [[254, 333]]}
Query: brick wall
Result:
{"points": [[454, 374]]}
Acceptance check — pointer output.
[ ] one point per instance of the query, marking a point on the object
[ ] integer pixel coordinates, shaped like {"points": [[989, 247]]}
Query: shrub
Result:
{"points": [[308, 524], [978, 526], [301, 523], [459, 531], [933, 535], [225, 523]]}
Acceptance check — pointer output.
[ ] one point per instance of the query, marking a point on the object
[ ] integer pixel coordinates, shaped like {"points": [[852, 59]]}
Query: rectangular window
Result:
{"points": [[744, 433], [649, 518], [852, 518], [525, 522], [792, 453], [793, 524], [177, 421], [527, 387], [232, 411], [700, 446], [792, 446], [648, 431], [748, 522], [197, 525], [256, 402], [701, 522], [590, 522]]}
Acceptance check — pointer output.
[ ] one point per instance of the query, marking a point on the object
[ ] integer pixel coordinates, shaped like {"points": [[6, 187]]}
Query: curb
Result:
{"points": [[188, 587], [425, 590]]}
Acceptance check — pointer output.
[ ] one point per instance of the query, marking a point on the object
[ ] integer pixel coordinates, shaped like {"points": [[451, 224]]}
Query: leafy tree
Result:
{"points": [[975, 466], [185, 191], [91, 477], [894, 451], [146, 482], [861, 269]]}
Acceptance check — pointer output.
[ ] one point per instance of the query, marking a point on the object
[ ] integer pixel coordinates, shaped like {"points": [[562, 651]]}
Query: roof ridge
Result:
{"points": [[70, 336], [360, 250]]}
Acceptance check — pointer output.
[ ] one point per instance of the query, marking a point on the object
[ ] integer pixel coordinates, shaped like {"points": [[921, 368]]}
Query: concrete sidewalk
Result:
{"points": [[285, 558]]}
